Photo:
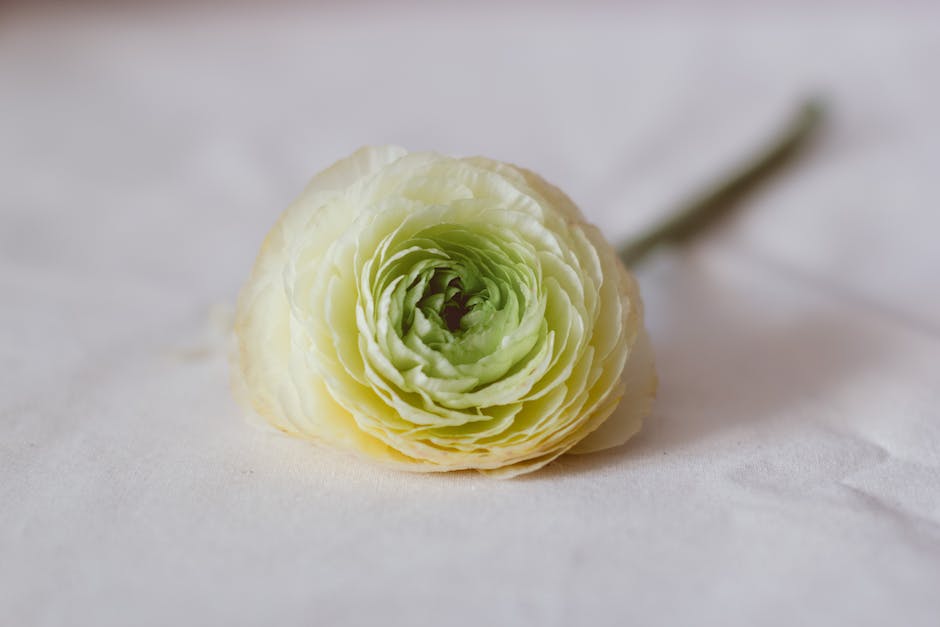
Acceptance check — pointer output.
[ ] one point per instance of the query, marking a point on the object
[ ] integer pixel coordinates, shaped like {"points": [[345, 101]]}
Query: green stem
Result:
{"points": [[719, 200]]}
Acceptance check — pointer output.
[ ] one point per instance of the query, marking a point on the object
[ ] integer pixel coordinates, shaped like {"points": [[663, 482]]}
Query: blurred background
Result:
{"points": [[790, 471], [196, 123]]}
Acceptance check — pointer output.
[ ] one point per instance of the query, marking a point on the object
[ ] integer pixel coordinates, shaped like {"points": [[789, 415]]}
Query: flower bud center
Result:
{"points": [[448, 297]]}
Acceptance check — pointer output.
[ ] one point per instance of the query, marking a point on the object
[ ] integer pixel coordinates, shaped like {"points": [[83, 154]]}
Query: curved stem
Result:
{"points": [[718, 201]]}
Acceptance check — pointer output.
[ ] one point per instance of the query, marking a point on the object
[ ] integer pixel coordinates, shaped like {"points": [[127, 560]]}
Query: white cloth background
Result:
{"points": [[789, 475]]}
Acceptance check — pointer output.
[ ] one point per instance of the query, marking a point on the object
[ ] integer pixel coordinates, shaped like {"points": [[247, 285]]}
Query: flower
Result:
{"points": [[434, 313]]}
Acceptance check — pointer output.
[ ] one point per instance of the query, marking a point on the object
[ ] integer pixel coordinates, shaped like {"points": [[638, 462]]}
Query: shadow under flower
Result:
{"points": [[735, 346]]}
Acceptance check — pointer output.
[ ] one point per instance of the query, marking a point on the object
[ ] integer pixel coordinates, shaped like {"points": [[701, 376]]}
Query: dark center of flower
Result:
{"points": [[448, 300], [455, 308]]}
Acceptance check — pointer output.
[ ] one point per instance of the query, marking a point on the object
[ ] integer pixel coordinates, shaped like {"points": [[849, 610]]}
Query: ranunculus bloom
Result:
{"points": [[435, 314]]}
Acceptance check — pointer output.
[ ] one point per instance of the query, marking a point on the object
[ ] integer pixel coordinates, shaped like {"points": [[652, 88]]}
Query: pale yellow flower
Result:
{"points": [[434, 314]]}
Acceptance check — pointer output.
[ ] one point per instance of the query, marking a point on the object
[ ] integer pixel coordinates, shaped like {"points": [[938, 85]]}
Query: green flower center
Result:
{"points": [[447, 300], [454, 310]]}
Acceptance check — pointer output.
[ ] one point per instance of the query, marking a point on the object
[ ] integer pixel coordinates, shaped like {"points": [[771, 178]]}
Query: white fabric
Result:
{"points": [[790, 474]]}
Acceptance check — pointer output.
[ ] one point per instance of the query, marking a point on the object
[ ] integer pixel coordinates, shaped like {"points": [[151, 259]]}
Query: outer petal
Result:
{"points": [[261, 377], [640, 380]]}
